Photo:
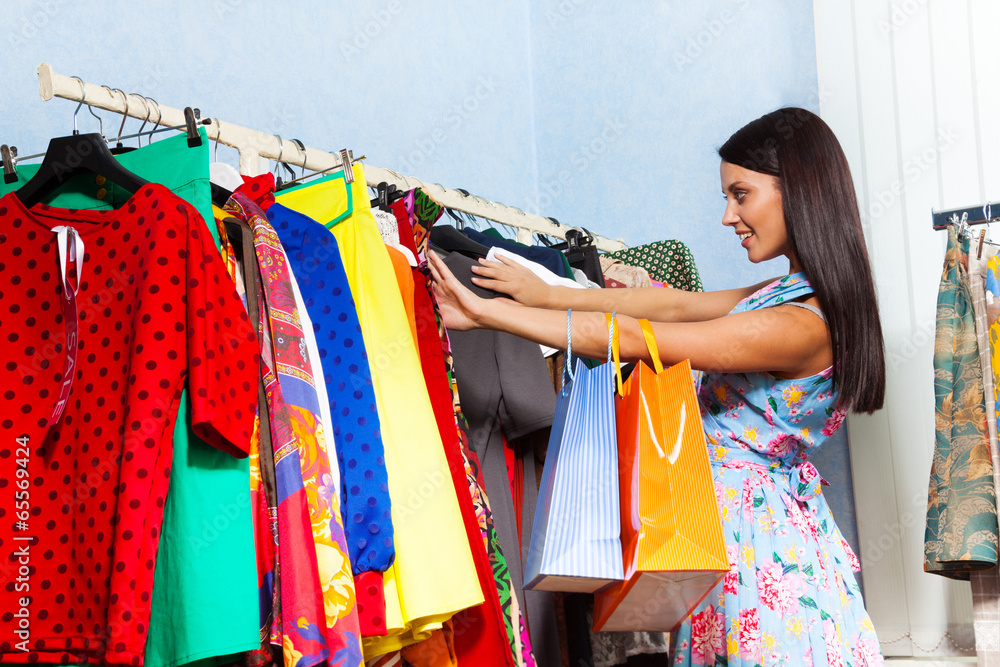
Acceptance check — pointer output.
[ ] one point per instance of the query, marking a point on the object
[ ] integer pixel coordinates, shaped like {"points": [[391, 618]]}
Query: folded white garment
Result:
{"points": [[538, 270]]}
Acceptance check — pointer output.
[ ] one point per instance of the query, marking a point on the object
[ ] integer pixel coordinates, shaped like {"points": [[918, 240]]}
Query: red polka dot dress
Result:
{"points": [[150, 307]]}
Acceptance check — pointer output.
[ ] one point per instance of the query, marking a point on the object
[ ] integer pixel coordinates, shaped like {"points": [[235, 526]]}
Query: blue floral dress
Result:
{"points": [[790, 597]]}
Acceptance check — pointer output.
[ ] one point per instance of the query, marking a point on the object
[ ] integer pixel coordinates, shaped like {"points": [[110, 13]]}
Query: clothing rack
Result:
{"points": [[254, 144], [980, 214]]}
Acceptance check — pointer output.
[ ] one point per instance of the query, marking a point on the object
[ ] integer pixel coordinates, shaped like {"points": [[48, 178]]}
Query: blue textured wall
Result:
{"points": [[435, 88], [630, 106], [624, 105]]}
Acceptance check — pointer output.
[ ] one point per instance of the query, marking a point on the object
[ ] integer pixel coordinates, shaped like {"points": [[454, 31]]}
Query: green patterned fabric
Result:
{"points": [[961, 533], [669, 262]]}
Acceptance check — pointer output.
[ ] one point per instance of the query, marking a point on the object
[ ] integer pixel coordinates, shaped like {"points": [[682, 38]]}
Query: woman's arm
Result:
{"points": [[662, 304], [785, 340]]}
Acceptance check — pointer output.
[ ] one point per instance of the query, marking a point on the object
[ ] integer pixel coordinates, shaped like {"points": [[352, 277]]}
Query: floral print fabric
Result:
{"points": [[961, 534], [790, 597]]}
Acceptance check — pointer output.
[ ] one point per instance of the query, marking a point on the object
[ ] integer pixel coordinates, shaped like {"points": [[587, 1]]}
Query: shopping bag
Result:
{"points": [[673, 547], [575, 544]]}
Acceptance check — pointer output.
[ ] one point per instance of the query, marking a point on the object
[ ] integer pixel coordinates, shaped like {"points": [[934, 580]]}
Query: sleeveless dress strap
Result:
{"points": [[783, 290], [819, 313]]}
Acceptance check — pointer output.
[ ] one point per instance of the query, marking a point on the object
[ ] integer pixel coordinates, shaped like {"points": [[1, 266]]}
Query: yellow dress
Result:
{"points": [[433, 576]]}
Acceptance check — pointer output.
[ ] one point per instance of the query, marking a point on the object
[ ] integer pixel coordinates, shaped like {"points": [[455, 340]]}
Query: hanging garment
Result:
{"points": [[282, 519], [617, 271], [590, 266], [547, 276], [985, 583], [506, 389], [415, 217], [264, 484], [567, 268], [542, 272], [481, 637], [438, 650], [669, 262], [263, 479], [388, 228], [404, 280], [450, 239], [978, 270], [294, 403], [318, 270], [993, 323], [612, 283], [415, 460], [552, 260], [790, 594], [142, 263], [961, 533], [204, 597], [581, 279]]}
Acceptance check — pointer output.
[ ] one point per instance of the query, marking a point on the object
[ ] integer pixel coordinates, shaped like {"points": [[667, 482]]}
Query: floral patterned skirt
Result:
{"points": [[790, 597]]}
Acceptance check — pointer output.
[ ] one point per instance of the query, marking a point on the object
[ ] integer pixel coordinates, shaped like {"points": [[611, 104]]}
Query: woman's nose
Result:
{"points": [[729, 216]]}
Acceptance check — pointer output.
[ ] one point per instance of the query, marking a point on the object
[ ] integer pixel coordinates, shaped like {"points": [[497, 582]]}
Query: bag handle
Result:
{"points": [[647, 332], [568, 363], [613, 353]]}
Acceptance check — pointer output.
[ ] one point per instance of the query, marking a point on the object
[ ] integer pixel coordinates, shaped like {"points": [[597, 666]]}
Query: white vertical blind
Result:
{"points": [[912, 90]]}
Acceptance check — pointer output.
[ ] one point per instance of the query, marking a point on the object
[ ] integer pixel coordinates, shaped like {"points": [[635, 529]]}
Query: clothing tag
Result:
{"points": [[69, 253]]}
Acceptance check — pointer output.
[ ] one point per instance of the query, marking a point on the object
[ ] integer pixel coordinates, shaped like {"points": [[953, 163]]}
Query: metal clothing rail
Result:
{"points": [[980, 214], [254, 144]]}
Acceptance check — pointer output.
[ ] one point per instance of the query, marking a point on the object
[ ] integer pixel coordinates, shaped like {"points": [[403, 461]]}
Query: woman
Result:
{"points": [[784, 361]]}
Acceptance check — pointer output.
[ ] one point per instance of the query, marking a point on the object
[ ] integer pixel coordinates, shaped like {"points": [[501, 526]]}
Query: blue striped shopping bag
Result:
{"points": [[575, 542]]}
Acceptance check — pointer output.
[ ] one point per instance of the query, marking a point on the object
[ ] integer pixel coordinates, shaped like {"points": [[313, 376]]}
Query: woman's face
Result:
{"points": [[753, 210]]}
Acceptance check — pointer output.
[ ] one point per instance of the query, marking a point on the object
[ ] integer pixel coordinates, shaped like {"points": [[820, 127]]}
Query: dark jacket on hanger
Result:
{"points": [[547, 257]]}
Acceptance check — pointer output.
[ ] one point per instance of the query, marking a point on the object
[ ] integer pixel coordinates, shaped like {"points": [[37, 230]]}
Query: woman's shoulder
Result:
{"points": [[792, 287]]}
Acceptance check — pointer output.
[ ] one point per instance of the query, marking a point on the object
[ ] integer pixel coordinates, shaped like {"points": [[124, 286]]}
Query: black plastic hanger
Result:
{"points": [[220, 195], [385, 195], [76, 154], [70, 156], [448, 238]]}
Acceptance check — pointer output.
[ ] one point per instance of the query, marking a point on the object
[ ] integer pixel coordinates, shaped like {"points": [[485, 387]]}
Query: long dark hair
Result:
{"points": [[824, 228]]}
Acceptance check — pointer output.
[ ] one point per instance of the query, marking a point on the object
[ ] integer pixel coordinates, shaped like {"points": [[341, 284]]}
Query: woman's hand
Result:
{"points": [[460, 308], [508, 277]]}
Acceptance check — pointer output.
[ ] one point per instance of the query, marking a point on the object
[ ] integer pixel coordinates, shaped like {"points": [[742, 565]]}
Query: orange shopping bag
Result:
{"points": [[672, 542]]}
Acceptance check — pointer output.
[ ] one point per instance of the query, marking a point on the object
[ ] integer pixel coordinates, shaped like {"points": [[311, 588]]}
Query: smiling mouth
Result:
{"points": [[744, 237]]}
